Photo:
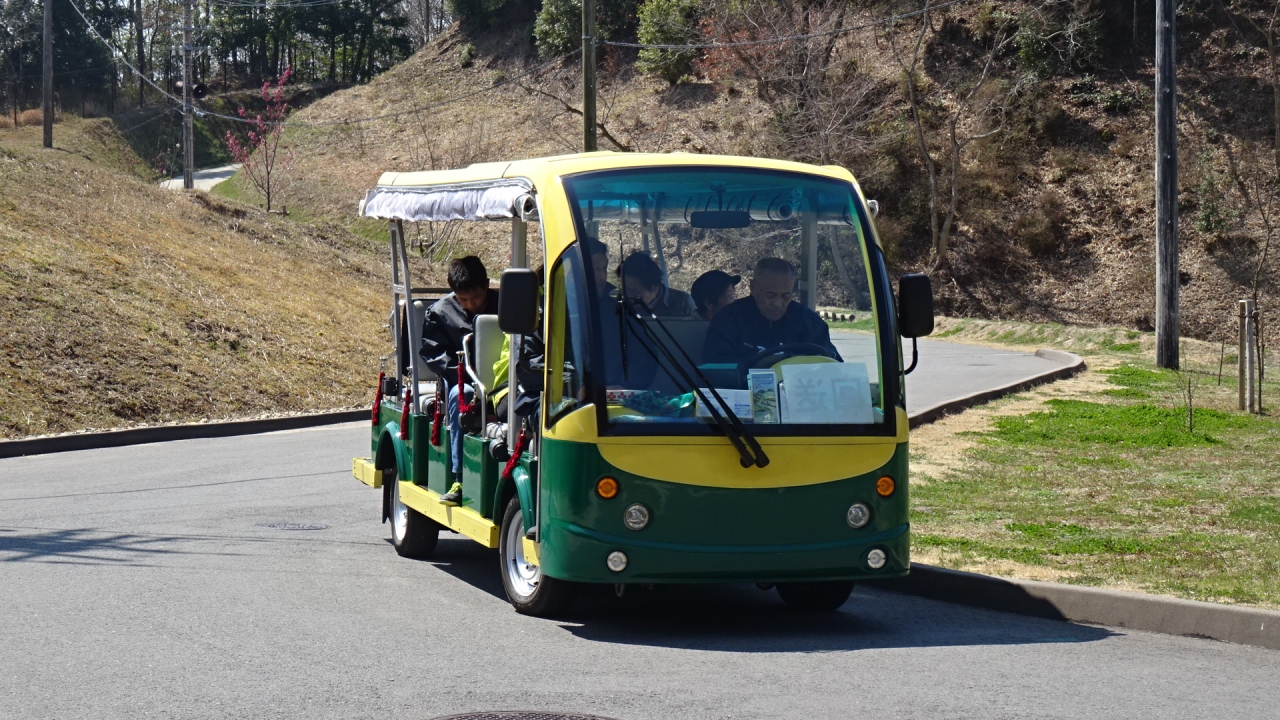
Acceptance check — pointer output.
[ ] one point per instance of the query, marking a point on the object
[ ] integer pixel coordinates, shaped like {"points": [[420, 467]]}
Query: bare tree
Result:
{"points": [[821, 103], [1257, 22], [975, 110], [426, 19]]}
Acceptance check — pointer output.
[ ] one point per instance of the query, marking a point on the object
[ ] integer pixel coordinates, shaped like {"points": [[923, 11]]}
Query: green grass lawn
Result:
{"points": [[1118, 486]]}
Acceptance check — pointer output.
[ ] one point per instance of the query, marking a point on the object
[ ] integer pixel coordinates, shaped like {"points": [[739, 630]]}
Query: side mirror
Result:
{"points": [[915, 305], [518, 301]]}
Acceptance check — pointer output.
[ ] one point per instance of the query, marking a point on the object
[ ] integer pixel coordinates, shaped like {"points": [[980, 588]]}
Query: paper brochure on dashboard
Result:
{"points": [[826, 393]]}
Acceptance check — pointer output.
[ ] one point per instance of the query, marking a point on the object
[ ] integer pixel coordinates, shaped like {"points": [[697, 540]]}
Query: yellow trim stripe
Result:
{"points": [[461, 519], [365, 472], [710, 461], [531, 549]]}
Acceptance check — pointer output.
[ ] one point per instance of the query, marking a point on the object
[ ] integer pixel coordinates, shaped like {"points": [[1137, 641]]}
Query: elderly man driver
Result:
{"points": [[769, 317]]}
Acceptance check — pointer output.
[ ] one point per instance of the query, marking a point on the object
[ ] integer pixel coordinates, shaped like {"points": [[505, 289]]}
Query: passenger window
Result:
{"points": [[566, 349]]}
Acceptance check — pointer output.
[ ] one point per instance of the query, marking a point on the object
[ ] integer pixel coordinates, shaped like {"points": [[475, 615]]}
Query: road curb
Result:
{"points": [[1115, 608], [1072, 364], [137, 436], [165, 433]]}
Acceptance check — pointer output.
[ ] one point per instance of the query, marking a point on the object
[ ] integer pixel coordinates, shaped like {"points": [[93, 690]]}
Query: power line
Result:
{"points": [[273, 5], [787, 38]]}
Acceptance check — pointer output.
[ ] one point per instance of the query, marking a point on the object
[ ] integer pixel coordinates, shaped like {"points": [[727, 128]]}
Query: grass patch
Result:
{"points": [[1119, 426], [865, 324], [1106, 486]]}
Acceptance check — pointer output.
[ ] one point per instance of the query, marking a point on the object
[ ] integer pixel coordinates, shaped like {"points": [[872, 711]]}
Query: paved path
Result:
{"points": [[949, 370], [203, 179], [140, 582]]}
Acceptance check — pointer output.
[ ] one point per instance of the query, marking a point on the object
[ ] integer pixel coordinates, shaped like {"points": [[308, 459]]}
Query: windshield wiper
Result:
{"points": [[749, 450]]}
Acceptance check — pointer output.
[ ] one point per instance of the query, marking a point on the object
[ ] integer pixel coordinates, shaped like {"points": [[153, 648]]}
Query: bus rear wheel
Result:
{"points": [[529, 591], [815, 596], [413, 534]]}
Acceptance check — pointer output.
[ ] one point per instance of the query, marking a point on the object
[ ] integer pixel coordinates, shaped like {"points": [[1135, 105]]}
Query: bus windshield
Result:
{"points": [[698, 297]]}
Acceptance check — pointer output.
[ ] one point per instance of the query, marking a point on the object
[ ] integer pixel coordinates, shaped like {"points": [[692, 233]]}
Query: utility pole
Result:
{"points": [[142, 59], [588, 75], [188, 137], [48, 73], [1166, 187]]}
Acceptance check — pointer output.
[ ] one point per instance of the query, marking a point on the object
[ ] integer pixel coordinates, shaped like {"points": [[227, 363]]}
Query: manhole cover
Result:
{"points": [[291, 526], [520, 715]]}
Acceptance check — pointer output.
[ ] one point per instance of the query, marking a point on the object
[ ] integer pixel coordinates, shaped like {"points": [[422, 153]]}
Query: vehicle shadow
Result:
{"points": [[468, 562], [744, 618]]}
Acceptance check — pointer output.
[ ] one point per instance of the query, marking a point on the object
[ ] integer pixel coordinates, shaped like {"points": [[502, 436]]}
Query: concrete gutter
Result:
{"points": [[1135, 611], [1072, 364], [166, 433]]}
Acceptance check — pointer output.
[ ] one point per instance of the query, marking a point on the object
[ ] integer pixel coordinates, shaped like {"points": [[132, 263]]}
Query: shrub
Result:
{"points": [[558, 28], [467, 55], [1041, 229], [1211, 217], [1035, 52], [1116, 102], [34, 116], [480, 14], [6, 122], [668, 22]]}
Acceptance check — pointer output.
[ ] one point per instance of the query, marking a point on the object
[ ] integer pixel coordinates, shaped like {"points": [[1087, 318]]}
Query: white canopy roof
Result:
{"points": [[498, 199]]}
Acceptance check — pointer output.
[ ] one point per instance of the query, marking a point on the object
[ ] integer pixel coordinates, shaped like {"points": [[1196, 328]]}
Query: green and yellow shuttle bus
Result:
{"points": [[655, 457]]}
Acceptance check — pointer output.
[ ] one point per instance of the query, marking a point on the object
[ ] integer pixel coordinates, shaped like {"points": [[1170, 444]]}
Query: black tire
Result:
{"points": [[413, 534], [816, 596], [529, 591]]}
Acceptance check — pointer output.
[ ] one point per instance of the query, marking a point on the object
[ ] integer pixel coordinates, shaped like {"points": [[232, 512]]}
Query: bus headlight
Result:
{"points": [[876, 559], [636, 517], [617, 561], [858, 516]]}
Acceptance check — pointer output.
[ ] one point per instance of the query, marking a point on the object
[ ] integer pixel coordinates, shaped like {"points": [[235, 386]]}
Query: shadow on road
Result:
{"points": [[744, 618], [737, 618], [85, 547]]}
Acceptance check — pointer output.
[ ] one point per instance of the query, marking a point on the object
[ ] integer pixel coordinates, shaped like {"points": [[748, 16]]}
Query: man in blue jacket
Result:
{"points": [[767, 318]]}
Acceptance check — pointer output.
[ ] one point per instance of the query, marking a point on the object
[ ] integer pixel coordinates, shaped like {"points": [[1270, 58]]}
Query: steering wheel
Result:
{"points": [[769, 357]]}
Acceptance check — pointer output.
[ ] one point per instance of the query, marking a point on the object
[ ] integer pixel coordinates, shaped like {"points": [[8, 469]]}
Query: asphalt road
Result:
{"points": [[143, 582], [203, 179], [948, 370]]}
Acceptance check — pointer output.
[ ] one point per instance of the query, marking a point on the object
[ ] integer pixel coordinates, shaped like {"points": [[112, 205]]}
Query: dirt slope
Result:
{"points": [[1056, 222], [125, 304]]}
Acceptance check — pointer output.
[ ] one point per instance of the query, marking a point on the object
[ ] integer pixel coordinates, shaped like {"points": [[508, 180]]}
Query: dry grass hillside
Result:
{"points": [[125, 304], [1056, 219]]}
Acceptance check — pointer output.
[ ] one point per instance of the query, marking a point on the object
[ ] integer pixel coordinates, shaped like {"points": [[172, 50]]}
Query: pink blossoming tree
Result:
{"points": [[260, 154]]}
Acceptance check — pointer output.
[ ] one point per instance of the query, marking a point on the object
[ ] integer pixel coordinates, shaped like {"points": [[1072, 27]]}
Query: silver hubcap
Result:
{"points": [[399, 514], [523, 577]]}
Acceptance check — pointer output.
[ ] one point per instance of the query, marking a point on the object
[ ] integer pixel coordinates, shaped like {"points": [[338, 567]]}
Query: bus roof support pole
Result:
{"points": [[519, 259], [400, 257], [809, 254]]}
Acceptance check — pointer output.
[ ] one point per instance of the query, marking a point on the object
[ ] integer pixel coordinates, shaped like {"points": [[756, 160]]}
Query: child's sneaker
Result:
{"points": [[453, 498]]}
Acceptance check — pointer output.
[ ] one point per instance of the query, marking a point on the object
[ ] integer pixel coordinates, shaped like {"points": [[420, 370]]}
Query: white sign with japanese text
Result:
{"points": [[836, 393]]}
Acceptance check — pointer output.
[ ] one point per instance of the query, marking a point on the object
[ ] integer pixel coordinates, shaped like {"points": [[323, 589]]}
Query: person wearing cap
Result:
{"points": [[642, 280], [768, 318], [712, 291]]}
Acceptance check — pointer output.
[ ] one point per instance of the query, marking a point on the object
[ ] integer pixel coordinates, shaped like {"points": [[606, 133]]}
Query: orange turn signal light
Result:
{"points": [[607, 488], [885, 486]]}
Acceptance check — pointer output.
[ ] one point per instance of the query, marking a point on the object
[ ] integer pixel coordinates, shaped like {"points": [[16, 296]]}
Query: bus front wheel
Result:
{"points": [[530, 592], [413, 534], [815, 596]]}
